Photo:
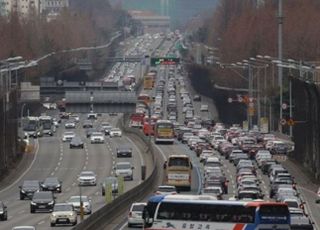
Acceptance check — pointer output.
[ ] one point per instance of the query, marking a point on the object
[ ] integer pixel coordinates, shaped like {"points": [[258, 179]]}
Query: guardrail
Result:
{"points": [[110, 211]]}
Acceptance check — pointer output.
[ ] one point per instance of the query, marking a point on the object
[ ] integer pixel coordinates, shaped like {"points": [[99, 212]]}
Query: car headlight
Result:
{"points": [[53, 214], [1, 211], [33, 203], [51, 203], [23, 191]]}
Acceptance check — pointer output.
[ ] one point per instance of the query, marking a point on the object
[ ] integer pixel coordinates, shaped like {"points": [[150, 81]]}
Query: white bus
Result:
{"points": [[168, 212]]}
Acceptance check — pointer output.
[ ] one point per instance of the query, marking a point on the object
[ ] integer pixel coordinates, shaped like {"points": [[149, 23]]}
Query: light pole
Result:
{"points": [[280, 72]]}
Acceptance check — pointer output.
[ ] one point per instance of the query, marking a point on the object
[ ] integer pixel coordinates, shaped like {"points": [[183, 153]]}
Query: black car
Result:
{"points": [[43, 200], [197, 98], [76, 142], [52, 184], [3, 211], [28, 188], [113, 181], [87, 124], [90, 131], [124, 152]]}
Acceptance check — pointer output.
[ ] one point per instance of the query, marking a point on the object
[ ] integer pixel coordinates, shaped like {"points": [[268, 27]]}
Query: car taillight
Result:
{"points": [[158, 193], [174, 193], [130, 214]]}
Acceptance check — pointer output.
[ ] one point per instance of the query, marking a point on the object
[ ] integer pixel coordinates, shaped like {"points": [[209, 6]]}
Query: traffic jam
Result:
{"points": [[237, 164]]}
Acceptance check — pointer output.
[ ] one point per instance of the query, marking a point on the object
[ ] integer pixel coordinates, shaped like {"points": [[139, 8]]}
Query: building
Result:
{"points": [[28, 7], [151, 23]]}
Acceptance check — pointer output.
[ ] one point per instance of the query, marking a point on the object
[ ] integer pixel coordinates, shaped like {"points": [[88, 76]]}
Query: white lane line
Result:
{"points": [[161, 152], [25, 172], [59, 163], [60, 159], [139, 152], [52, 174], [41, 222], [10, 217], [124, 225], [22, 211]]}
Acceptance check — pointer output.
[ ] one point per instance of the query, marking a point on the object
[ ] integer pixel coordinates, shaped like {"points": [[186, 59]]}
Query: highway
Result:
{"points": [[55, 158]]}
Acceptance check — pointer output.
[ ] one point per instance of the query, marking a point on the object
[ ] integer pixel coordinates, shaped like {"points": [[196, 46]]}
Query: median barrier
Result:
{"points": [[109, 212]]}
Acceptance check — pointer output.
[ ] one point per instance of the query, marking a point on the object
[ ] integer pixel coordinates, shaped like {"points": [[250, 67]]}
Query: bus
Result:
{"points": [[164, 132], [47, 125], [32, 127], [144, 98], [149, 81], [178, 170], [171, 212], [148, 125]]}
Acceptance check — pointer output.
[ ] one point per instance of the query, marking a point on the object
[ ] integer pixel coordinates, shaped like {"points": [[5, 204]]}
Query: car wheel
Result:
{"points": [[74, 223], [31, 210], [129, 225], [103, 193], [21, 197], [52, 224]]}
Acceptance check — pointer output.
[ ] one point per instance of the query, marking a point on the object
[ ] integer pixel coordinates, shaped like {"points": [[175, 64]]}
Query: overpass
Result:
{"points": [[100, 101]]}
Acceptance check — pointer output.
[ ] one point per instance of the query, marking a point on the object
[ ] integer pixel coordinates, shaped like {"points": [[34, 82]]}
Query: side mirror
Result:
{"points": [[132, 167], [114, 168], [20, 186]]}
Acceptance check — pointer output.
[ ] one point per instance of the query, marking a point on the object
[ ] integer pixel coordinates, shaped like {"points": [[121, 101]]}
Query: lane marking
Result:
{"points": [[41, 222], [25, 172], [139, 152]]}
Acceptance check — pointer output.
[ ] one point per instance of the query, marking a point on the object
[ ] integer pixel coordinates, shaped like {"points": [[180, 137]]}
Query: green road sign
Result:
{"points": [[154, 61]]}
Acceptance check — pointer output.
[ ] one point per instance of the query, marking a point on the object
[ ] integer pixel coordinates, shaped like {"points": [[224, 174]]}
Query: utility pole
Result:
{"points": [[280, 57]]}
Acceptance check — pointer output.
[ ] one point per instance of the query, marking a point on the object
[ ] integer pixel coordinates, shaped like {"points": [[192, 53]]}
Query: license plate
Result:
{"points": [[42, 206], [63, 220]]}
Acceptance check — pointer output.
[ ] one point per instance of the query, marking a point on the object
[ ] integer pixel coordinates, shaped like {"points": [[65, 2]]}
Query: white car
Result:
{"points": [[135, 214], [75, 117], [166, 190], [97, 137], [63, 213], [70, 125], [68, 136], [87, 178], [115, 132], [124, 169], [75, 201], [204, 108]]}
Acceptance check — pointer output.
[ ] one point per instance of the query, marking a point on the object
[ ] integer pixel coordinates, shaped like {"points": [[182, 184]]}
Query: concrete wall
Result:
{"points": [[306, 132]]}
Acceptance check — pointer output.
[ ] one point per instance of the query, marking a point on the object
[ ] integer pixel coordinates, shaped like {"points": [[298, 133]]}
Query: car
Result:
{"points": [[197, 98], [166, 190], [63, 213], [215, 191], [318, 196], [97, 137], [24, 228], [115, 132], [70, 125], [135, 214], [114, 185], [124, 151], [107, 129], [3, 211], [75, 117], [75, 201], [87, 178], [51, 184], [124, 169], [76, 142], [68, 136], [204, 108], [87, 124], [92, 116], [42, 200], [89, 132], [28, 188]]}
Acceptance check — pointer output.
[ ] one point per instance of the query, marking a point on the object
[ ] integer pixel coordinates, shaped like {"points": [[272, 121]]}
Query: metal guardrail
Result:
{"points": [[110, 211]]}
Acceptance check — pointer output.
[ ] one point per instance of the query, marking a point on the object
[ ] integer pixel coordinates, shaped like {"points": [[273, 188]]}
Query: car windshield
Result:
{"points": [[87, 174], [166, 189], [62, 208], [123, 166], [51, 180], [138, 208], [75, 199], [42, 195], [69, 133], [292, 204]]}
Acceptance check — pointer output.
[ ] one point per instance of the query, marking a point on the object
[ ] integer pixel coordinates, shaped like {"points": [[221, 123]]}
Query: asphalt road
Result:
{"points": [[55, 158]]}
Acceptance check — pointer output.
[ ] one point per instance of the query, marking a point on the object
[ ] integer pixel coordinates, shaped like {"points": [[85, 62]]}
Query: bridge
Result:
{"points": [[100, 101], [125, 59]]}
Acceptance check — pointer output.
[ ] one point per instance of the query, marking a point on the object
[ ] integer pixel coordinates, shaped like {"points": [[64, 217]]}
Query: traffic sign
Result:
{"points": [[291, 122], [230, 100], [283, 122], [284, 106]]}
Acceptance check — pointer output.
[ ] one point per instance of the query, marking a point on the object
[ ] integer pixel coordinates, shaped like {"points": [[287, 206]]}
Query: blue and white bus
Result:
{"points": [[175, 212]]}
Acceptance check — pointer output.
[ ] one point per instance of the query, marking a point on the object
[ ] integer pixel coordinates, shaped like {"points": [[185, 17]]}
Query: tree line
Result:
{"points": [[84, 23]]}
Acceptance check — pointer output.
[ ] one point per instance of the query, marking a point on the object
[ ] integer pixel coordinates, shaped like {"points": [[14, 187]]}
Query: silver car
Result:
{"points": [[75, 201], [125, 170], [63, 213], [87, 178]]}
